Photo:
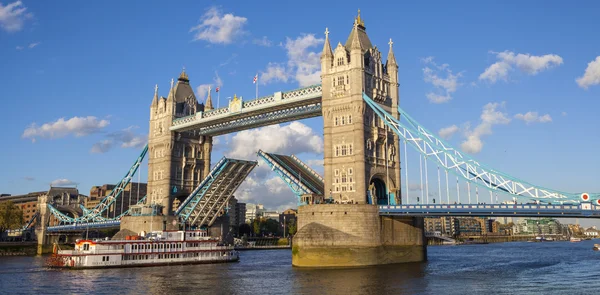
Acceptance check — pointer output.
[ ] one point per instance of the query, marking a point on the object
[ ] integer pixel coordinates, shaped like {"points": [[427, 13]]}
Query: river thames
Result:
{"points": [[505, 268]]}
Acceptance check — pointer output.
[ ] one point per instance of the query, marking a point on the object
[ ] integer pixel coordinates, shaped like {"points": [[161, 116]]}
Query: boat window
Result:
{"points": [[86, 247]]}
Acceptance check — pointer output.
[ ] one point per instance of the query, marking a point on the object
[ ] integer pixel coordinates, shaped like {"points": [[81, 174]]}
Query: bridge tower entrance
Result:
{"points": [[178, 161], [377, 194], [358, 145]]}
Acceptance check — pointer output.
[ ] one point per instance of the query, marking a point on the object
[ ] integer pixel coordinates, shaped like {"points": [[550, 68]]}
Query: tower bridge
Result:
{"points": [[358, 212]]}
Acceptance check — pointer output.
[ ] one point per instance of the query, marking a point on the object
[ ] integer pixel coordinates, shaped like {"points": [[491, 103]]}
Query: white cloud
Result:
{"points": [[202, 90], [489, 117], [294, 138], [532, 117], [274, 72], [591, 75], [63, 182], [447, 132], [529, 64], [32, 45], [264, 41], [125, 138], [303, 65], [78, 126], [19, 48], [563, 114], [306, 64], [216, 27], [263, 185], [447, 85], [13, 16], [101, 147], [316, 164]]}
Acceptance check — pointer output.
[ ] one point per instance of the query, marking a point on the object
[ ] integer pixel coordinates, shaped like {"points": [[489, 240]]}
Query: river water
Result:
{"points": [[506, 268]]}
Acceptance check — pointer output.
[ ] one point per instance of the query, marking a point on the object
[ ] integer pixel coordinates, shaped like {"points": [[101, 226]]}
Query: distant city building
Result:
{"points": [[444, 225], [542, 226], [130, 195], [237, 214], [271, 215], [253, 211], [286, 218], [240, 209], [63, 197], [470, 226], [27, 203]]}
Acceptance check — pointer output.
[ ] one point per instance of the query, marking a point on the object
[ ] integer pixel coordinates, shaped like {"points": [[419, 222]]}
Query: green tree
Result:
{"points": [[245, 229], [11, 216], [256, 226], [270, 226], [292, 228]]}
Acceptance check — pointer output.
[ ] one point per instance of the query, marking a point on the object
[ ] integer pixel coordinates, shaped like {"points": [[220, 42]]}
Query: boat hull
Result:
{"points": [[152, 264]]}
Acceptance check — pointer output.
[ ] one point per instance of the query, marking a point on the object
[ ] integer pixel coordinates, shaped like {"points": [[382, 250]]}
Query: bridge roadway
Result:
{"points": [[583, 210], [83, 226]]}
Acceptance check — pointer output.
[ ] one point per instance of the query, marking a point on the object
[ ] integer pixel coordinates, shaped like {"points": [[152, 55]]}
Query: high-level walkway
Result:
{"points": [[239, 115]]}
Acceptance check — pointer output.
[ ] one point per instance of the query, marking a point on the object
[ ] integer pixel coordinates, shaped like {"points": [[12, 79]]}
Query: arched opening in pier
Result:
{"points": [[378, 192]]}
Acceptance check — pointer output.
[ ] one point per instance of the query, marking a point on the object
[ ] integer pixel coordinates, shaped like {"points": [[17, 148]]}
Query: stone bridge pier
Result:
{"points": [[348, 235]]}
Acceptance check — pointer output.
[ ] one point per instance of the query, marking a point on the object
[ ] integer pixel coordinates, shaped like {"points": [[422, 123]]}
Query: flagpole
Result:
{"points": [[256, 85], [219, 97]]}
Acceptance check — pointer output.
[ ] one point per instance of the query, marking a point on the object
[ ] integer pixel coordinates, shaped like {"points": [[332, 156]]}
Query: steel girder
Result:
{"points": [[585, 210], [83, 226], [290, 179], [96, 213], [278, 108], [186, 208], [220, 192], [264, 119], [462, 165], [202, 206]]}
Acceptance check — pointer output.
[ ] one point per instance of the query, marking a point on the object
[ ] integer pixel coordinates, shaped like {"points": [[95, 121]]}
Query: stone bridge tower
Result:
{"points": [[361, 155], [178, 161]]}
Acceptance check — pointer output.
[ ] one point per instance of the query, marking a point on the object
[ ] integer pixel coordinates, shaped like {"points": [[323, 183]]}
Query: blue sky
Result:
{"points": [[99, 62]]}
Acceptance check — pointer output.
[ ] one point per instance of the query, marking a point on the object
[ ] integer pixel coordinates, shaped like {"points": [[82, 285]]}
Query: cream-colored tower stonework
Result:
{"points": [[361, 154], [178, 161]]}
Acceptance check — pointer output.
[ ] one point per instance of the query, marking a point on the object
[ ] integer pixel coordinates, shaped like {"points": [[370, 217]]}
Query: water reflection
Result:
{"points": [[511, 268], [389, 279]]}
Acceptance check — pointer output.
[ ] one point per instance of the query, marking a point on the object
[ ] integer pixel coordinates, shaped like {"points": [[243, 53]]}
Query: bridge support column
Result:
{"points": [[349, 235], [41, 223]]}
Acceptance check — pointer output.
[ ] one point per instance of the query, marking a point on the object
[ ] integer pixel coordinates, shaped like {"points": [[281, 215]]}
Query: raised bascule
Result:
{"points": [[361, 211]]}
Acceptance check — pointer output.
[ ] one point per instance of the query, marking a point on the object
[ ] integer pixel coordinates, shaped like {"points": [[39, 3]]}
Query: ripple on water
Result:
{"points": [[508, 268]]}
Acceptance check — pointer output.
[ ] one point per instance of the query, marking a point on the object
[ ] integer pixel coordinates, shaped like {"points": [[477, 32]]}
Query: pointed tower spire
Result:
{"points": [[183, 76], [209, 105], [171, 91], [355, 40], [391, 59], [155, 99], [327, 52]]}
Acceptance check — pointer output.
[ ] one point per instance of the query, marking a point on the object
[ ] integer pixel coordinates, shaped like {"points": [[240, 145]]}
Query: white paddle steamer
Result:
{"points": [[156, 249]]}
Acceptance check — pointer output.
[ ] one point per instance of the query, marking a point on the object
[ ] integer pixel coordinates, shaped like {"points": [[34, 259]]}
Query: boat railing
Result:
{"points": [[90, 252]]}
